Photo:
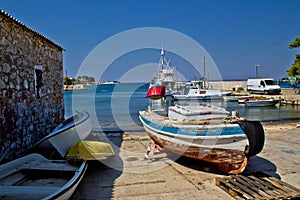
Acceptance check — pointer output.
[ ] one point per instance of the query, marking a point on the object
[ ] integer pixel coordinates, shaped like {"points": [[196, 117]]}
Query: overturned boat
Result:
{"points": [[35, 177], [68, 133], [205, 132]]}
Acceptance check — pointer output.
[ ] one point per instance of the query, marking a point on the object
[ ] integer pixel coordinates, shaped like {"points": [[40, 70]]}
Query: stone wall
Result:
{"points": [[228, 85], [31, 87]]}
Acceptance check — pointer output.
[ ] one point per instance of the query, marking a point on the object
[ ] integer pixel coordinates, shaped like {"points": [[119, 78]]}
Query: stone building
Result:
{"points": [[31, 87]]}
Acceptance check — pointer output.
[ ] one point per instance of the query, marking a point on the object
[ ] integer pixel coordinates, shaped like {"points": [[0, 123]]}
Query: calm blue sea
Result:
{"points": [[117, 106]]}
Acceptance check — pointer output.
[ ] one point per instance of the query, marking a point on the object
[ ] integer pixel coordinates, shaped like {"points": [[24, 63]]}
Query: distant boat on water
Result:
{"points": [[108, 82], [74, 87], [261, 102], [258, 101], [197, 92]]}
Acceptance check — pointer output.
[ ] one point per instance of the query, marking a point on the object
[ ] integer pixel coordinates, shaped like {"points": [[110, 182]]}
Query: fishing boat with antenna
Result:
{"points": [[179, 90]]}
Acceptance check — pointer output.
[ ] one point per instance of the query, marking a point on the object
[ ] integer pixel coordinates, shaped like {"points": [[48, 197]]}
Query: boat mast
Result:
{"points": [[204, 74], [162, 57]]}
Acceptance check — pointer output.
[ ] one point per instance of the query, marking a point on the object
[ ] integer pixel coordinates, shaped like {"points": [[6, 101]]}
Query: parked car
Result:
{"points": [[263, 85]]}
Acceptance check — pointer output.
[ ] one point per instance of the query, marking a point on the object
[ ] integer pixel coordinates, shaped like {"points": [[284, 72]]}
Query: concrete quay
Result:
{"points": [[128, 176]]}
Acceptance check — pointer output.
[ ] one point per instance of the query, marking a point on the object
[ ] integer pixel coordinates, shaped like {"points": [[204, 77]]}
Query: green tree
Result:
{"points": [[68, 81], [295, 68]]}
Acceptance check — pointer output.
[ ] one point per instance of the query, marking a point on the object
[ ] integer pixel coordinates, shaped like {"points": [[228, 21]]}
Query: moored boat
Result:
{"points": [[35, 177], [197, 93], [261, 102], [65, 135]]}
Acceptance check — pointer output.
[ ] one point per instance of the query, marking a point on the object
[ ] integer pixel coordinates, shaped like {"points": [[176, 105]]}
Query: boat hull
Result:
{"points": [[197, 97], [261, 103], [64, 136], [225, 150], [156, 92], [35, 177]]}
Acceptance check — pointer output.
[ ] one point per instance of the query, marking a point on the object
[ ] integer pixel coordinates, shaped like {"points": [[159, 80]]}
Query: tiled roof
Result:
{"points": [[2, 12]]}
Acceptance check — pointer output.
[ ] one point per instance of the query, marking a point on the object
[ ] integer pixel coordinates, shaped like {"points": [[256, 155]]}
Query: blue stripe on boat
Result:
{"points": [[217, 131]]}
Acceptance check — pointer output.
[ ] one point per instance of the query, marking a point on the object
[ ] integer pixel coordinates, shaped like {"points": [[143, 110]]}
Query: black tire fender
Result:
{"points": [[256, 136]]}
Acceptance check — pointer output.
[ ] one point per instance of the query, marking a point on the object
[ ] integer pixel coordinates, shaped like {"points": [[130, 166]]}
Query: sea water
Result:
{"points": [[116, 106]]}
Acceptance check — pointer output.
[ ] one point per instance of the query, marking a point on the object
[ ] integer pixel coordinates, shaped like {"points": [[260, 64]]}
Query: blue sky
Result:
{"points": [[237, 34]]}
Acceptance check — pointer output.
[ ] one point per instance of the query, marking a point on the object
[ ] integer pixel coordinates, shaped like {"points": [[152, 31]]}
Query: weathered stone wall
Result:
{"points": [[30, 106], [228, 85]]}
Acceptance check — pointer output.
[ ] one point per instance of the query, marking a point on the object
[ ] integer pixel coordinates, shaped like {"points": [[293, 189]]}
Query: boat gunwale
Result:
{"points": [[78, 175], [206, 137], [25, 163]]}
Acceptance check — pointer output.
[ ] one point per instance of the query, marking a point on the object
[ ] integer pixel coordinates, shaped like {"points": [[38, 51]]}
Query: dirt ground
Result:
{"points": [[129, 176]]}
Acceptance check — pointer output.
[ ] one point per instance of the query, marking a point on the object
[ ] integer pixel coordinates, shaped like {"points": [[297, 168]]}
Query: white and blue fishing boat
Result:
{"points": [[205, 132]]}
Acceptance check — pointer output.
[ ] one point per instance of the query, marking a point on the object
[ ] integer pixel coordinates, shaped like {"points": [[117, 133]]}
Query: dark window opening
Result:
{"points": [[38, 82]]}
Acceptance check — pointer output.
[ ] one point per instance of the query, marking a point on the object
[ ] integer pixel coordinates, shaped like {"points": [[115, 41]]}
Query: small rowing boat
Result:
{"points": [[35, 177], [65, 135]]}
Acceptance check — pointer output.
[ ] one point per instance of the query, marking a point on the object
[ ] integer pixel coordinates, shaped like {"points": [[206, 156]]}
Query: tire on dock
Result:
{"points": [[256, 137]]}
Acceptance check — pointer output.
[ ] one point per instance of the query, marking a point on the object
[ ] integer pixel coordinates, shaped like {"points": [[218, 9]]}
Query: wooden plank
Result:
{"points": [[252, 187], [269, 187], [247, 182], [291, 192], [285, 184], [232, 189], [31, 190], [235, 182], [50, 166], [260, 188]]}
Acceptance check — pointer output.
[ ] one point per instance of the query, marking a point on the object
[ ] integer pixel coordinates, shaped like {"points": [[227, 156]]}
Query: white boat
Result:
{"points": [[65, 135], [35, 177], [109, 83], [198, 93], [204, 133], [261, 102]]}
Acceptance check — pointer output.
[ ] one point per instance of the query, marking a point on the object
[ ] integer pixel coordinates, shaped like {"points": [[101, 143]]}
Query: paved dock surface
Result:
{"points": [[129, 176]]}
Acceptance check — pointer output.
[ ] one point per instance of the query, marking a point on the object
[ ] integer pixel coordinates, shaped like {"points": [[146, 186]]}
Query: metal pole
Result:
{"points": [[256, 69]]}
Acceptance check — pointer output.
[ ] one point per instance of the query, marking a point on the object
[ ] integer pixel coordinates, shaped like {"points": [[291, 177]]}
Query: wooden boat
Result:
{"points": [[207, 133], [35, 177], [65, 135], [261, 102]]}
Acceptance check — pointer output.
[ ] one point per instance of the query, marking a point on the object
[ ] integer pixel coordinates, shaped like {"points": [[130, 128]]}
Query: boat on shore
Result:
{"points": [[35, 177], [203, 132], [206, 133], [68, 133]]}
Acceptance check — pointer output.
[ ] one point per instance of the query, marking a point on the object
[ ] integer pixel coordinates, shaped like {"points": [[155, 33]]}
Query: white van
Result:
{"points": [[263, 85]]}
